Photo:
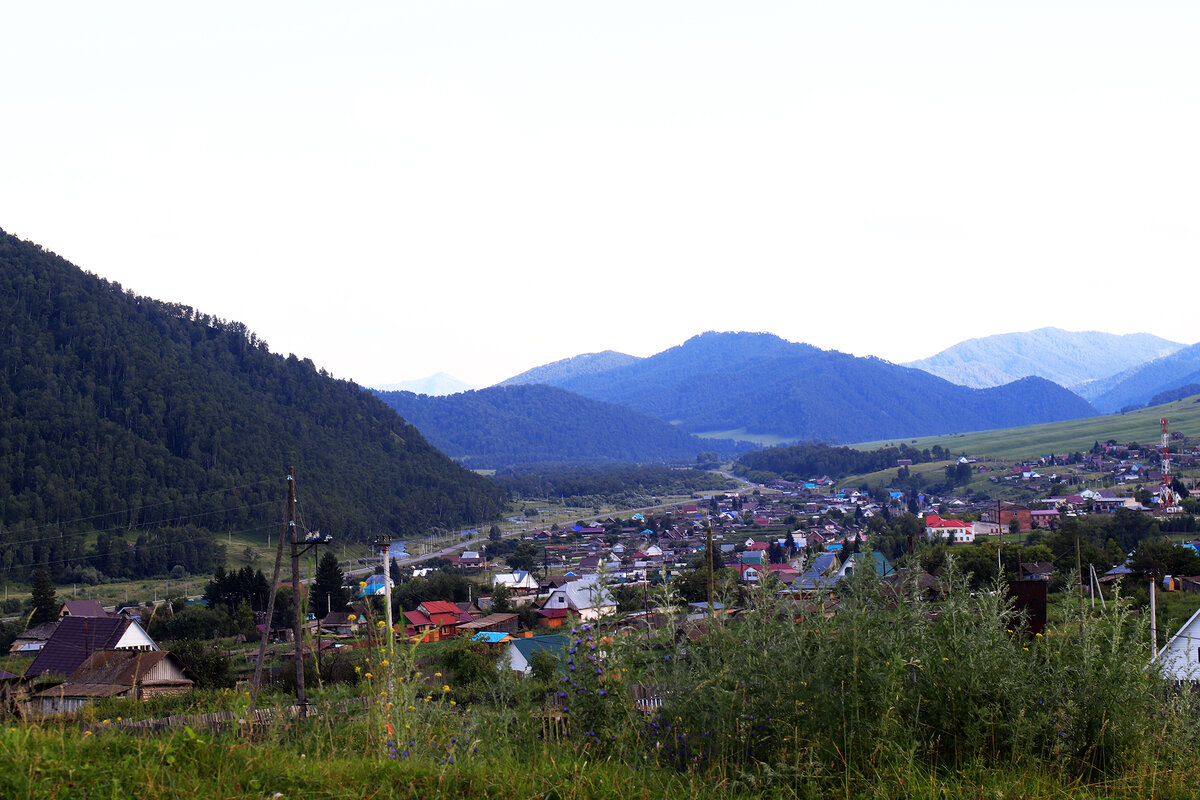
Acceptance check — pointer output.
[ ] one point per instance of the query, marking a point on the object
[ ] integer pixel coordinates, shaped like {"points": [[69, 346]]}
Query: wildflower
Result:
{"points": [[453, 703], [362, 584], [358, 669], [380, 624], [366, 675], [354, 617], [445, 688], [384, 663], [437, 674]]}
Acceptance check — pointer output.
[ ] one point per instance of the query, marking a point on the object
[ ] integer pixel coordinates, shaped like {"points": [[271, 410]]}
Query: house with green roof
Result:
{"points": [[518, 653]]}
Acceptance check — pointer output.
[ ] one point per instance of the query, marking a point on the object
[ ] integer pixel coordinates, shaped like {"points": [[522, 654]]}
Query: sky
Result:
{"points": [[395, 189]]}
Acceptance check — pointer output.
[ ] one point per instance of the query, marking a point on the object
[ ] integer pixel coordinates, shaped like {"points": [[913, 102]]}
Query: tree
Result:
{"points": [[329, 594], [501, 599], [523, 557], [45, 605]]}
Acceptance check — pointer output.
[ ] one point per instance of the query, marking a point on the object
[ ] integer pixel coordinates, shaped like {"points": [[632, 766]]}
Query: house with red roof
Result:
{"points": [[952, 530]]}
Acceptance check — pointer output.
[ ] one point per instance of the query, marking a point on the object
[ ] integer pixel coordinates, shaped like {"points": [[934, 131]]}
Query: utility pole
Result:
{"points": [[298, 608], [384, 543], [266, 634], [712, 609]]}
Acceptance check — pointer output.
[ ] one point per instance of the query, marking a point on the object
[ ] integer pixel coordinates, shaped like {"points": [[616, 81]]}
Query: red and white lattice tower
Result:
{"points": [[1166, 496]]}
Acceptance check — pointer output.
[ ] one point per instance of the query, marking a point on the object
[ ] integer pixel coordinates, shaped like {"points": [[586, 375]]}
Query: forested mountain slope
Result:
{"points": [[760, 384], [156, 425], [506, 425]]}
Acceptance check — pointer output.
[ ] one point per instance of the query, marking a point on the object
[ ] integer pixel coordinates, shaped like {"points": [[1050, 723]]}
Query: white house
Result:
{"points": [[521, 581], [1180, 658], [586, 597], [953, 530]]}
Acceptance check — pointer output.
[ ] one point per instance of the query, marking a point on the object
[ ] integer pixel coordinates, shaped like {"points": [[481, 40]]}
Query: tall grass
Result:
{"points": [[893, 683]]}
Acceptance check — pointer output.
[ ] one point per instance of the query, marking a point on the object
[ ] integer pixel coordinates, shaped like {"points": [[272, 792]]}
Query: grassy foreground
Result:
{"points": [[53, 762], [891, 697]]}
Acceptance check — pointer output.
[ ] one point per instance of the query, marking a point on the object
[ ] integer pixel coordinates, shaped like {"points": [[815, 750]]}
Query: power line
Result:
{"points": [[157, 546], [144, 525], [61, 523]]}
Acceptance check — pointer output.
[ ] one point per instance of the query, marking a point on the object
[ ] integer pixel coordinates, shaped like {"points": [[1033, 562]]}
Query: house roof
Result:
{"points": [[432, 607], [83, 608], [108, 672], [76, 638], [491, 637], [555, 643]]}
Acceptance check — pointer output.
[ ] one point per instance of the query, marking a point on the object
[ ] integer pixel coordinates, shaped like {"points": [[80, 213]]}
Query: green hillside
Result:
{"points": [[1063, 437], [135, 429]]}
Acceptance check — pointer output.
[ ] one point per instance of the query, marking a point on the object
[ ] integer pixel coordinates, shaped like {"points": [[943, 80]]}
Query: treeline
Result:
{"points": [[567, 480], [138, 418], [507, 425], [804, 461]]}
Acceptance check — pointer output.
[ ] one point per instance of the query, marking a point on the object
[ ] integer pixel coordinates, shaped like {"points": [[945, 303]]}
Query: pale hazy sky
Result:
{"points": [[395, 189]]}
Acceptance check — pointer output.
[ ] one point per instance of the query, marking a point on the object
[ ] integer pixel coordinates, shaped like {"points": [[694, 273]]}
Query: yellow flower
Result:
{"points": [[445, 688], [380, 624], [353, 617], [453, 703], [945, 659], [367, 675], [384, 663], [437, 674], [358, 669], [87, 733]]}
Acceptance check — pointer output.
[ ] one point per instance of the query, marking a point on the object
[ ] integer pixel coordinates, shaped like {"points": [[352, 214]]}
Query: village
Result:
{"points": [[796, 539]]}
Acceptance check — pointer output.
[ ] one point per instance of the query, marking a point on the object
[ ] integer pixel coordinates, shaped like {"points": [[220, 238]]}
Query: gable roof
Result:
{"points": [[432, 607], [108, 672], [555, 643], [76, 638], [82, 608]]}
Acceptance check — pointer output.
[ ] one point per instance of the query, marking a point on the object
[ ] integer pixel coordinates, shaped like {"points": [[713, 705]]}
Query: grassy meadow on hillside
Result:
{"points": [[1063, 437]]}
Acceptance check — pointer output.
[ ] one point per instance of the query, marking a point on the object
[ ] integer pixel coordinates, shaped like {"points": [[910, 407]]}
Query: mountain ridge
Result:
{"points": [[763, 384], [1072, 359]]}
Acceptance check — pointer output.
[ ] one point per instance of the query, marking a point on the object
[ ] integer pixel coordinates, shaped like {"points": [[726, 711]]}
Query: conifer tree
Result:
{"points": [[45, 604], [329, 594]]}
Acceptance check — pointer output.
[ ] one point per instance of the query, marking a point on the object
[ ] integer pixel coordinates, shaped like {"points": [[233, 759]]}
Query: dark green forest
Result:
{"points": [[134, 429], [523, 424], [804, 461], [767, 385], [609, 480]]}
